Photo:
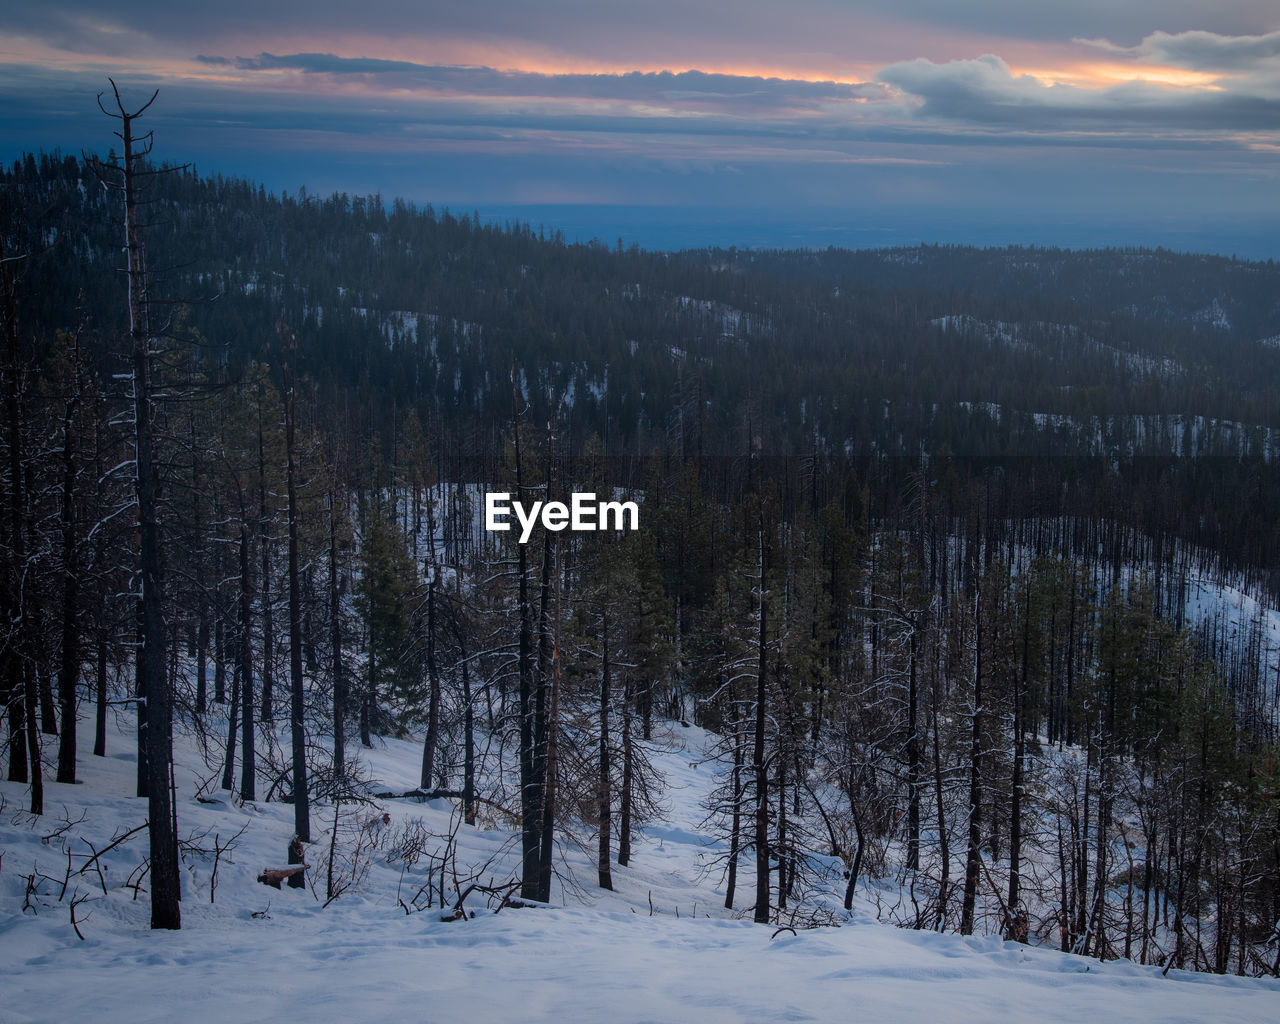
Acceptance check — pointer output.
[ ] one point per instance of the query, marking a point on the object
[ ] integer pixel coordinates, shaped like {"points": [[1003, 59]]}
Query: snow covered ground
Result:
{"points": [[257, 954]]}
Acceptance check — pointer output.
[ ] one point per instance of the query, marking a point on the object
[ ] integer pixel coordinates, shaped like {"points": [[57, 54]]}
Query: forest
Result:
{"points": [[968, 559]]}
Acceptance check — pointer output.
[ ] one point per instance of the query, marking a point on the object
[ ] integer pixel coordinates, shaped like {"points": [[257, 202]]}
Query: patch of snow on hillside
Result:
{"points": [[1214, 316]]}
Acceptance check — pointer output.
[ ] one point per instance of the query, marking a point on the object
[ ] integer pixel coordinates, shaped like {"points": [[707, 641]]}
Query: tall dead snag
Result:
{"points": [[759, 763], [264, 553], [301, 802], [1015, 920], [530, 790], [627, 781], [546, 697], [69, 661], [335, 637], [248, 757], [551, 727], [468, 719], [973, 856], [605, 795], [18, 678], [433, 680], [12, 618], [154, 704]]}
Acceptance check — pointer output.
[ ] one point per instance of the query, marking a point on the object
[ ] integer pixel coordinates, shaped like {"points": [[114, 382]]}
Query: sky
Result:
{"points": [[688, 122]]}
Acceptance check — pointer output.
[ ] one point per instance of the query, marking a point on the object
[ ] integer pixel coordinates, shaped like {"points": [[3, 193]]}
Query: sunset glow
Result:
{"points": [[1100, 75], [808, 113]]}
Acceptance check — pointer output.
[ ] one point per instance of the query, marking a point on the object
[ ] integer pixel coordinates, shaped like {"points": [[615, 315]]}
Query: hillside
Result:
{"points": [[963, 561], [640, 954], [881, 351], [1122, 363]]}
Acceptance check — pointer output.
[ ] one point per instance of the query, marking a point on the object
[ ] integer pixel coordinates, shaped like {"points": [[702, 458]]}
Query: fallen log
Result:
{"points": [[421, 795], [274, 876]]}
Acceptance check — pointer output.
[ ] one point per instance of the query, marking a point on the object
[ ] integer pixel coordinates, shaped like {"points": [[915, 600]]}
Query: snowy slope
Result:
{"points": [[596, 957]]}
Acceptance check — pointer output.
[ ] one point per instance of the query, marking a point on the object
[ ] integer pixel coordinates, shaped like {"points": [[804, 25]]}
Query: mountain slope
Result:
{"points": [[254, 954]]}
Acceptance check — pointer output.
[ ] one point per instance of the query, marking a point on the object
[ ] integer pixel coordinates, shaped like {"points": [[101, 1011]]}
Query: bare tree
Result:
{"points": [[301, 803], [154, 708]]}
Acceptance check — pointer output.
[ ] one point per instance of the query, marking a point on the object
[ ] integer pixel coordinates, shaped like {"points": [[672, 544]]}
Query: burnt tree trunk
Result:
{"points": [[69, 662], [433, 684], [530, 790], [973, 857], [604, 796], [248, 760], [759, 766], [335, 643], [297, 704], [628, 777], [154, 705], [14, 619]]}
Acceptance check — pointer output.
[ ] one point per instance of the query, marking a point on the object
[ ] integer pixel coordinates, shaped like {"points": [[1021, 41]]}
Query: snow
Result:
{"points": [[734, 323], [1171, 433], [1214, 315], [572, 966], [1236, 612], [1069, 337], [255, 954]]}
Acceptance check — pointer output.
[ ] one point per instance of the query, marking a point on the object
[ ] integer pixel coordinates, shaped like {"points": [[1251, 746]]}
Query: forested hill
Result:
{"points": [[903, 351], [1213, 294], [966, 561]]}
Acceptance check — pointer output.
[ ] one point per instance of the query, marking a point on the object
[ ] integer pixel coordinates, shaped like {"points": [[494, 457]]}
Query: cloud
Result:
{"points": [[985, 91], [1202, 51], [965, 88], [668, 87], [315, 63]]}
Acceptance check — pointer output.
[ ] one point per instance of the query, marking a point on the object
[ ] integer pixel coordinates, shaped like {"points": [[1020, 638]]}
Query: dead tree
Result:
{"points": [[154, 705], [298, 739]]}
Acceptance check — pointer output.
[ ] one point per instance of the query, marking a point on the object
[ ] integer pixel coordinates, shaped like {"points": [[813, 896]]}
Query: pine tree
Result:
{"points": [[383, 600]]}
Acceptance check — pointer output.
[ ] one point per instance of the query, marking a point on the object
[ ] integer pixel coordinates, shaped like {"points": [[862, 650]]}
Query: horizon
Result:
{"points": [[691, 125], [637, 226]]}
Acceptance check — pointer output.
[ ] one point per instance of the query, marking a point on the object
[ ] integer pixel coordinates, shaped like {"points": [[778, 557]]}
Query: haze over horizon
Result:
{"points": [[684, 124]]}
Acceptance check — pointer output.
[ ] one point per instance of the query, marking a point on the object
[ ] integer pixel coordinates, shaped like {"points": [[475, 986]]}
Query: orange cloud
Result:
{"points": [[1103, 74]]}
